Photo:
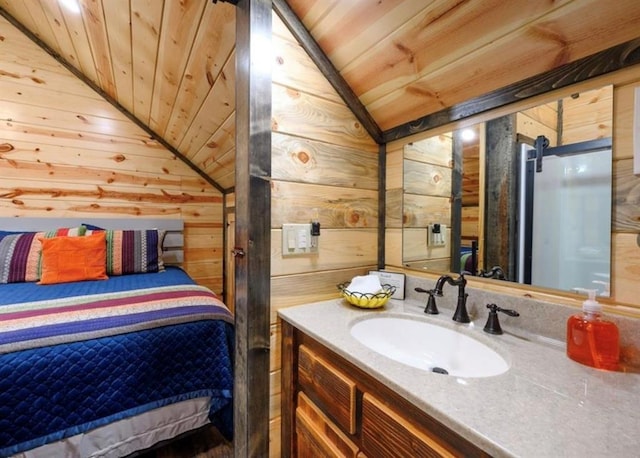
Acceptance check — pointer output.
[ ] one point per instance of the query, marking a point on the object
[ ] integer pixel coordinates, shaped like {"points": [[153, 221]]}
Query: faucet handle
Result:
{"points": [[431, 307], [493, 324]]}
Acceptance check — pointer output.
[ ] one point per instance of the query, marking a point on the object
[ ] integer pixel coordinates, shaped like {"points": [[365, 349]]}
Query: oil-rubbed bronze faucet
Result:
{"points": [[460, 315]]}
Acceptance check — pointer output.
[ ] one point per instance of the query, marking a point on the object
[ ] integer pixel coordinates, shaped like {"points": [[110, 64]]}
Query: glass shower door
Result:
{"points": [[572, 192]]}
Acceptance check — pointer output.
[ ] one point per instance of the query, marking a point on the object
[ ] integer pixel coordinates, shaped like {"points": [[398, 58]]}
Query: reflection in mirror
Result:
{"points": [[525, 197]]}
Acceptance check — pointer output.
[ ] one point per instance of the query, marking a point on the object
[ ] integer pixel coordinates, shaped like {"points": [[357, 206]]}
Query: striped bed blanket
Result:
{"points": [[70, 319], [77, 356]]}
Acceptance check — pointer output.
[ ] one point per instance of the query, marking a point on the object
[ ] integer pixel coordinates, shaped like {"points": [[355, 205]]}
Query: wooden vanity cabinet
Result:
{"points": [[331, 408]]}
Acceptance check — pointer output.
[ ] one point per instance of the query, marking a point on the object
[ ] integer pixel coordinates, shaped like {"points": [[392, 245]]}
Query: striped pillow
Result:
{"points": [[133, 251], [20, 253]]}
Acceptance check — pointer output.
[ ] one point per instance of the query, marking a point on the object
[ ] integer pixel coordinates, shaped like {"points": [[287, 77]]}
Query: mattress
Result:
{"points": [[77, 357]]}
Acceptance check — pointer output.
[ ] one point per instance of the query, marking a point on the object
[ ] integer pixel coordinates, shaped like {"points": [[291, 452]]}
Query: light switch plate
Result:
{"points": [[393, 279], [297, 240]]}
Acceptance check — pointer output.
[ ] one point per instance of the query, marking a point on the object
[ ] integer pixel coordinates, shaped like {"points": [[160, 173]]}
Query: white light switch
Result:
{"points": [[297, 239]]}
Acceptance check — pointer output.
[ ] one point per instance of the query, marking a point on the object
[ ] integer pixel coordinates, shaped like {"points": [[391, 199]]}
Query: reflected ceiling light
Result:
{"points": [[71, 5], [468, 135]]}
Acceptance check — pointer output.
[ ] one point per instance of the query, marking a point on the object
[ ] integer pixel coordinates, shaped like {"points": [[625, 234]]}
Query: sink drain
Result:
{"points": [[439, 370]]}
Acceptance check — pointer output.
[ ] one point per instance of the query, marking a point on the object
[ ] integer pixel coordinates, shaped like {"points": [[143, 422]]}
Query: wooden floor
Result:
{"points": [[205, 443]]}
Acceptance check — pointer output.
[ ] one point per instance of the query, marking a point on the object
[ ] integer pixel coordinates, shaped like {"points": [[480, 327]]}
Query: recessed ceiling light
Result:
{"points": [[71, 5], [468, 135]]}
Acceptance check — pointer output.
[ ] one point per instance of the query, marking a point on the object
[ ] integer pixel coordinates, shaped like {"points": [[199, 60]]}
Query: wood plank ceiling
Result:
{"points": [[170, 63]]}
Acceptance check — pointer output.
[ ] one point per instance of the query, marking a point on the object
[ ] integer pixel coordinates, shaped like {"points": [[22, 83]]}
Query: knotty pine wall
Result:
{"points": [[66, 152], [324, 167], [625, 262]]}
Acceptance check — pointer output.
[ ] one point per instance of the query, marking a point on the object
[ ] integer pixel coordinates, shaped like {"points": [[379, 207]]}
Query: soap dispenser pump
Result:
{"points": [[592, 340]]}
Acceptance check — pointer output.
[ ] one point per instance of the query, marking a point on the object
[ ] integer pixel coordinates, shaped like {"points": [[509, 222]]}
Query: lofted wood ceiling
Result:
{"points": [[170, 64]]}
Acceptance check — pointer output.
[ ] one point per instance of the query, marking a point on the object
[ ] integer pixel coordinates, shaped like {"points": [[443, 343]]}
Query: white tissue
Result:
{"points": [[366, 284]]}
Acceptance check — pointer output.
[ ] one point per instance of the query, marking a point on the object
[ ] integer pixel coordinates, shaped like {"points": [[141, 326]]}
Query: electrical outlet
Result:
{"points": [[436, 235]]}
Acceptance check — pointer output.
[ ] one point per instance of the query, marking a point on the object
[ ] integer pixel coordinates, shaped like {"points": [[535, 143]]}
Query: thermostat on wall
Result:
{"points": [[393, 279]]}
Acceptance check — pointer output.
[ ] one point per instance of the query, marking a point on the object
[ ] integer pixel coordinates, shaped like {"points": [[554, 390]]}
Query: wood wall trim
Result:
{"points": [[607, 61], [298, 30], [382, 203], [82, 77]]}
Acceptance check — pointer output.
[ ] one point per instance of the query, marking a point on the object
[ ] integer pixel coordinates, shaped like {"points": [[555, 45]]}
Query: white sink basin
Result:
{"points": [[429, 347]]}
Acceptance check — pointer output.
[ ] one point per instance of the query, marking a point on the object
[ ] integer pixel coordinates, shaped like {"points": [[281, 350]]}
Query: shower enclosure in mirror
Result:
{"points": [[468, 205]]}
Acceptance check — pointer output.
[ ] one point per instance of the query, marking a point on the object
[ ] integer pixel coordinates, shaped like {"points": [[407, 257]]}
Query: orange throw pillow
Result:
{"points": [[67, 259]]}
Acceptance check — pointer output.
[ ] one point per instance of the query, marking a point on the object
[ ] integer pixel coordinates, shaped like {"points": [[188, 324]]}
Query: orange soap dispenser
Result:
{"points": [[592, 340]]}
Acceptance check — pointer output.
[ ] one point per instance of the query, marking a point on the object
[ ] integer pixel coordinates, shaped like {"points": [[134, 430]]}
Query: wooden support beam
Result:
{"points": [[382, 203], [298, 30], [607, 61], [253, 228]]}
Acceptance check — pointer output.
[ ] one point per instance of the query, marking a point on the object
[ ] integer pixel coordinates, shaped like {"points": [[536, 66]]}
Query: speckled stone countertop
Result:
{"points": [[545, 405]]}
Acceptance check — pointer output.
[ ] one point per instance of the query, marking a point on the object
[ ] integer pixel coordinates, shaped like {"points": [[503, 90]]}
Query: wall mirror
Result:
{"points": [[525, 197]]}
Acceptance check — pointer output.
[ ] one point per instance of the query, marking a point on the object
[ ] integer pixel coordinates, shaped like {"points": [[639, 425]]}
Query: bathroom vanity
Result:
{"points": [[343, 398]]}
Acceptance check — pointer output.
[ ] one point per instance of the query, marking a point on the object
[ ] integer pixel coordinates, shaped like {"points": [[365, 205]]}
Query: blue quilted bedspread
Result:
{"points": [[51, 392]]}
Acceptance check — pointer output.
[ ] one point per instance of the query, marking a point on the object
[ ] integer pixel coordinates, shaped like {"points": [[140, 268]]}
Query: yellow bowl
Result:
{"points": [[367, 300]]}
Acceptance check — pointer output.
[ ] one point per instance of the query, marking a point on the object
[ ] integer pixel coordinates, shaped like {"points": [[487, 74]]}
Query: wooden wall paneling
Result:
{"points": [[107, 143], [545, 114], [470, 222], [95, 26], [531, 128], [220, 143], [326, 67], [304, 115], [534, 55], [19, 188], [625, 267], [394, 167], [215, 41], [623, 127], [413, 50], [347, 34], [57, 119], [60, 31], [427, 179], [433, 150], [227, 178], [22, 15], [338, 249], [118, 26], [470, 173], [146, 20], [333, 206], [12, 167], [303, 288], [62, 93], [393, 247], [216, 109], [415, 247], [626, 197], [294, 68], [311, 161], [41, 22], [81, 43], [589, 116], [421, 210], [180, 21], [394, 215]]}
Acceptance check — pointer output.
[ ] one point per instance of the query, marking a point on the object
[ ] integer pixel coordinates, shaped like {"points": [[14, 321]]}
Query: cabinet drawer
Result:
{"points": [[386, 434], [317, 435], [335, 391]]}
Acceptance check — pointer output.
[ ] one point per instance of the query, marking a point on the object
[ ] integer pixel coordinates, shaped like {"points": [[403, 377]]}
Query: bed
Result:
{"points": [[108, 366]]}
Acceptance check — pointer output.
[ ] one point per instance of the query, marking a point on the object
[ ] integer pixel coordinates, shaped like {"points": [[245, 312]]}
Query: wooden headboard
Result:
{"points": [[173, 247]]}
